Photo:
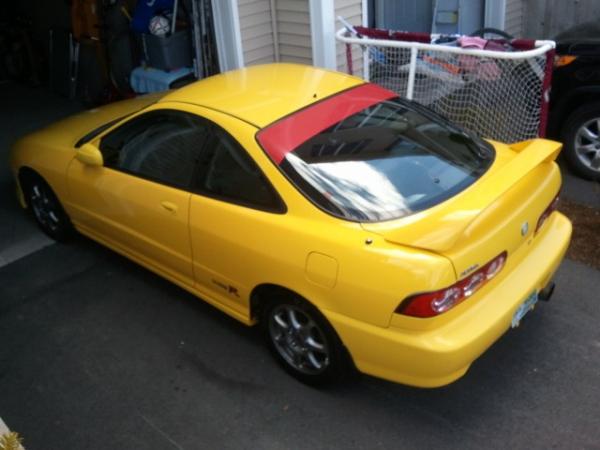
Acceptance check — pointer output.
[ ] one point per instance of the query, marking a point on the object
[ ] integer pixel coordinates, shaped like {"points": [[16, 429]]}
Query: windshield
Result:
{"points": [[386, 161]]}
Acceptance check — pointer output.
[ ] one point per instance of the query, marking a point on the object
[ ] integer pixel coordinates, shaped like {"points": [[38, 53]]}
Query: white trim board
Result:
{"points": [[322, 30], [365, 23], [228, 34]]}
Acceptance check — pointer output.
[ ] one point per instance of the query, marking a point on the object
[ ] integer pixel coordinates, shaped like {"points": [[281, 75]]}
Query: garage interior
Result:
{"points": [[97, 52]]}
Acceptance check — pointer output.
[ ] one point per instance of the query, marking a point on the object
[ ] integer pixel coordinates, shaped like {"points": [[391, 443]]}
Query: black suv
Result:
{"points": [[575, 98]]}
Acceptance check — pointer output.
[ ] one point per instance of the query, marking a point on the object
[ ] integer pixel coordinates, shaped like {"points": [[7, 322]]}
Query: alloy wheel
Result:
{"points": [[44, 208], [298, 339], [587, 144]]}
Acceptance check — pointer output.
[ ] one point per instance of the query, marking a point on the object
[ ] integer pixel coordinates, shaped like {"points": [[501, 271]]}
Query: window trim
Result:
{"points": [[99, 130]]}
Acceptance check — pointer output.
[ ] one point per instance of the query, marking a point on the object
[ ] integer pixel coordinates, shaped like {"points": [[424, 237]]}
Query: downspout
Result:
{"points": [[275, 30]]}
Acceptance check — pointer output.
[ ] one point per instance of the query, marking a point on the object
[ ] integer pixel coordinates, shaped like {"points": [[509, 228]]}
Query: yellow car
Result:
{"points": [[359, 229]]}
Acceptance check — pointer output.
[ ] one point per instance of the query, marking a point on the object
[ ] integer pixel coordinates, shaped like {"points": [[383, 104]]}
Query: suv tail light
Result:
{"points": [[549, 210], [563, 60], [432, 304]]}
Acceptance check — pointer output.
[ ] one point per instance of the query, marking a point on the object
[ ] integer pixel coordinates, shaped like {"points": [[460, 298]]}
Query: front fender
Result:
{"points": [[48, 161]]}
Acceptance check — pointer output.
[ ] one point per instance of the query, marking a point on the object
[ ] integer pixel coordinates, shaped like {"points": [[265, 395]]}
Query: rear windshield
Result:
{"points": [[388, 160]]}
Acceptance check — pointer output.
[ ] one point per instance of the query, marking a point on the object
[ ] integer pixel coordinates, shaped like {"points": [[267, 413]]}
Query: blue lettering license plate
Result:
{"points": [[525, 307]]}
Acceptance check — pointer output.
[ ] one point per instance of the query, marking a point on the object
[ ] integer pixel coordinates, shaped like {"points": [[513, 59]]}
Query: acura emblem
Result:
{"points": [[524, 228]]}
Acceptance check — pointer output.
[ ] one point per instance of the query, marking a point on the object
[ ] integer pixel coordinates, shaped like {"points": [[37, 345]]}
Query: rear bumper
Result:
{"points": [[441, 354]]}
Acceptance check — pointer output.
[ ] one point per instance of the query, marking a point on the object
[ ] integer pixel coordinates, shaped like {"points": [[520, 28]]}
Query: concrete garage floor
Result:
{"points": [[22, 110], [99, 353]]}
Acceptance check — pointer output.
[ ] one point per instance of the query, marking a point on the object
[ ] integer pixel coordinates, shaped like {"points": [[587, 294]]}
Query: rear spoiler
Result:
{"points": [[520, 146], [440, 227]]}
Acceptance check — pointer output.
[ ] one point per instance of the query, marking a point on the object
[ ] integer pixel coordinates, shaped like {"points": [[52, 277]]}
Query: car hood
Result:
{"points": [[487, 218], [68, 131]]}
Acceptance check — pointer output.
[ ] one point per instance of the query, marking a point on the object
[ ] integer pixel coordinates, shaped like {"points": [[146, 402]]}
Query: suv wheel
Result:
{"points": [[581, 138]]}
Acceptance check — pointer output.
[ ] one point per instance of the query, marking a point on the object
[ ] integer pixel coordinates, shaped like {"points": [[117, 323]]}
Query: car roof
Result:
{"points": [[260, 95]]}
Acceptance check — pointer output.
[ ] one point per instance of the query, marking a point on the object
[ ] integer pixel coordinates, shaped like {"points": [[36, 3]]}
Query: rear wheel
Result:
{"points": [[46, 209], [303, 342], [581, 138]]}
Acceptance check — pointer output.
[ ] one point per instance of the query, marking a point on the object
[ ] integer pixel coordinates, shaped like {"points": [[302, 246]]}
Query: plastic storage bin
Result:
{"points": [[168, 52]]}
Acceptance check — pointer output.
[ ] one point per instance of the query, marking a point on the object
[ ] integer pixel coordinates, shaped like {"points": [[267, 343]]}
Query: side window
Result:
{"points": [[227, 172], [162, 146]]}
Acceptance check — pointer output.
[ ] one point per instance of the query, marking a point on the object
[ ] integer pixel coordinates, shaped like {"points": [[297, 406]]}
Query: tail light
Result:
{"points": [[432, 304], [549, 210], [563, 60]]}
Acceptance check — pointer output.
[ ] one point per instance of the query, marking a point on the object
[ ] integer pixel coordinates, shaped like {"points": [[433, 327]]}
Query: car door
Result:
{"points": [[138, 202], [233, 213]]}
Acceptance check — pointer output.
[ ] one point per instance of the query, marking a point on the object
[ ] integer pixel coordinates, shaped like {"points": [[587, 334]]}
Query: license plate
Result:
{"points": [[525, 307]]}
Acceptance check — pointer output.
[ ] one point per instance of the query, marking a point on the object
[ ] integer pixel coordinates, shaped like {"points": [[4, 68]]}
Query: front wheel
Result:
{"points": [[581, 138], [303, 342], [47, 210]]}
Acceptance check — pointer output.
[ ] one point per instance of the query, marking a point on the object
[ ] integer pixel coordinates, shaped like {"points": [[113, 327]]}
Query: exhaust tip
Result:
{"points": [[547, 292]]}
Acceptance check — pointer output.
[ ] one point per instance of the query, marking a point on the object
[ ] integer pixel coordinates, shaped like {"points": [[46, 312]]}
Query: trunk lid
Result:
{"points": [[497, 213]]}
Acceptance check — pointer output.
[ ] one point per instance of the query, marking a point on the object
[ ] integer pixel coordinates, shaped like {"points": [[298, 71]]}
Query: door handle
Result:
{"points": [[171, 207]]}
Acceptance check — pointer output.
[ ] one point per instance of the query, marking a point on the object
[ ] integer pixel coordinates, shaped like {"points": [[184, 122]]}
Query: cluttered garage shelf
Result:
{"points": [[104, 51]]}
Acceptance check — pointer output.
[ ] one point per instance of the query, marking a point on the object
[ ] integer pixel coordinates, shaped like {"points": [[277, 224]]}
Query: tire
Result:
{"points": [[46, 209], [303, 342], [581, 138]]}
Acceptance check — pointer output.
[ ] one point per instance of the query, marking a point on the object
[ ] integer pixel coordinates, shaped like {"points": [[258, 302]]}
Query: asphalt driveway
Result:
{"points": [[98, 353]]}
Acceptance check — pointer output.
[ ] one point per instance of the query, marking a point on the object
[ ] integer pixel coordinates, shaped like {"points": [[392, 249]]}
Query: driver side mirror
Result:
{"points": [[89, 155]]}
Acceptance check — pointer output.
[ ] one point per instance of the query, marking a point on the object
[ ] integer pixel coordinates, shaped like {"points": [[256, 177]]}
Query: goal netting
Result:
{"points": [[501, 95]]}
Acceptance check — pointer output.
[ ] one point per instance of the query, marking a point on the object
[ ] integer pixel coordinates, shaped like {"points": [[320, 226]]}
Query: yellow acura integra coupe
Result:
{"points": [[357, 228]]}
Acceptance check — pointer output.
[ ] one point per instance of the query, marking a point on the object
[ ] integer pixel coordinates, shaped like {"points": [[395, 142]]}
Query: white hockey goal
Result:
{"points": [[501, 95]]}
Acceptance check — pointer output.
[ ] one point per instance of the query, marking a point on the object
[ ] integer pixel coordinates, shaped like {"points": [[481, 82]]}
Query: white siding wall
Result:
{"points": [[351, 10], [256, 31], [293, 23], [293, 31], [513, 22]]}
